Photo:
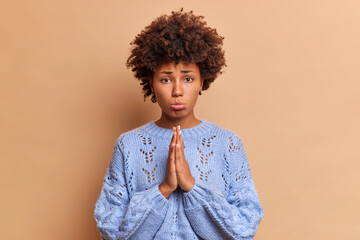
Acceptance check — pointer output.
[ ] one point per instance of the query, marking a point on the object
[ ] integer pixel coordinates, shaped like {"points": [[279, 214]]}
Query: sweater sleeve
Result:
{"points": [[120, 216], [237, 216]]}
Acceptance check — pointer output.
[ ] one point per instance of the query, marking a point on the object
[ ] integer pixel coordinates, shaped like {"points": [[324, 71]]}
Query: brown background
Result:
{"points": [[290, 91]]}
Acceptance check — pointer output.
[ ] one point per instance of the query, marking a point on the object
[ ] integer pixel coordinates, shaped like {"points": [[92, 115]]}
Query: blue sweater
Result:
{"points": [[223, 203]]}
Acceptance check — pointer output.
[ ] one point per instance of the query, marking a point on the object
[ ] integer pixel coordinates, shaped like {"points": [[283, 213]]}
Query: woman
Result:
{"points": [[178, 177]]}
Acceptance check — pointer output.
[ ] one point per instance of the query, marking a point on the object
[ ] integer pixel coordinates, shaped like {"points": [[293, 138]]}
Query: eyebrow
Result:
{"points": [[183, 71]]}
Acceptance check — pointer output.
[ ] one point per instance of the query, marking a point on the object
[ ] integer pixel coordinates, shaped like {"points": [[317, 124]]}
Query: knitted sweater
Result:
{"points": [[223, 203]]}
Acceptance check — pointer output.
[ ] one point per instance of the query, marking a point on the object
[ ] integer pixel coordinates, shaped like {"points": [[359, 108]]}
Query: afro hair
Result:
{"points": [[180, 36]]}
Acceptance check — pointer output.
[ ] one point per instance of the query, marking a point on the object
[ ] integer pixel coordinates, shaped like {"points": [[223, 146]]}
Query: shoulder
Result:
{"points": [[228, 139], [224, 133], [131, 136]]}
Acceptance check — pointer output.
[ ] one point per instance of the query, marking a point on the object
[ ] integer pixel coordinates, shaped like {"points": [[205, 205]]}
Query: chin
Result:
{"points": [[178, 114]]}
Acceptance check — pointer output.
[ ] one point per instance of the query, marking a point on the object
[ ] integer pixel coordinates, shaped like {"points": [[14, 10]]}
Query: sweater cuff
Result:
{"points": [[162, 203], [200, 194], [153, 197]]}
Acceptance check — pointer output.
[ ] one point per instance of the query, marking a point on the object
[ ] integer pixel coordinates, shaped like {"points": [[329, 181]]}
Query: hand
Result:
{"points": [[170, 181], [185, 179]]}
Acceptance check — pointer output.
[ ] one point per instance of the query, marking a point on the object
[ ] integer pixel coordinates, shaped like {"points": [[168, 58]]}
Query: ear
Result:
{"points": [[201, 84]]}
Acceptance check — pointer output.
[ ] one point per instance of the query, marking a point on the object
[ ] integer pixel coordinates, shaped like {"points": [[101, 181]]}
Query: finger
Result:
{"points": [[175, 135], [179, 138], [178, 131], [181, 141], [178, 155], [172, 147], [172, 157], [173, 139]]}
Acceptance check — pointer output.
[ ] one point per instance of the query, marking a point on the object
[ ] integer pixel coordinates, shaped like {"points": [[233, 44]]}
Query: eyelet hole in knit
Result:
{"points": [[225, 182], [175, 216], [207, 141], [121, 142], [232, 147], [149, 158], [204, 158], [203, 176], [130, 181], [145, 140], [226, 174], [150, 175]]}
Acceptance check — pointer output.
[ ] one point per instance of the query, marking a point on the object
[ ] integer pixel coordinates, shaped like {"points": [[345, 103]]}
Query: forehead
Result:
{"points": [[181, 66]]}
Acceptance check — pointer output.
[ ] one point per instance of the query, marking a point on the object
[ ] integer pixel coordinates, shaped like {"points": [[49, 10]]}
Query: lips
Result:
{"points": [[178, 106]]}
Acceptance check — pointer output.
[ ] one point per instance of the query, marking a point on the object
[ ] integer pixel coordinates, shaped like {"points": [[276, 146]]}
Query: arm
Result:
{"points": [[214, 216], [120, 216]]}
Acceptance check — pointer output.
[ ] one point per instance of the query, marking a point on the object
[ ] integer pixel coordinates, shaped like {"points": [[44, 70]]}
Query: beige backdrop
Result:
{"points": [[290, 91]]}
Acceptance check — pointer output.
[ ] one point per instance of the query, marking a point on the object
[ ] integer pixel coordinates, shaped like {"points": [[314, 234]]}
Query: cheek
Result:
{"points": [[162, 93], [194, 96], [162, 97]]}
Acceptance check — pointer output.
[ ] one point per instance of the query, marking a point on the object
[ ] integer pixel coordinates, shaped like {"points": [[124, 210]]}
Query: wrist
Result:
{"points": [[165, 190], [190, 185]]}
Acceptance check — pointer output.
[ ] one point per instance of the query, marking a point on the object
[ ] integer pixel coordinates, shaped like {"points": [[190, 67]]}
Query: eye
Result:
{"points": [[188, 79], [165, 80]]}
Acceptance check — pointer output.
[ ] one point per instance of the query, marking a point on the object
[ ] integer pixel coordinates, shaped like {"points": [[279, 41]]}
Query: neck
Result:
{"points": [[186, 122]]}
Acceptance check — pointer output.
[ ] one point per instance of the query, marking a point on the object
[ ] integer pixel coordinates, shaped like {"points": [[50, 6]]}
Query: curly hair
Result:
{"points": [[180, 36]]}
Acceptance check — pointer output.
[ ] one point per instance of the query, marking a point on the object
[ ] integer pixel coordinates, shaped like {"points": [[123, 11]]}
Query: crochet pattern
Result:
{"points": [[223, 203]]}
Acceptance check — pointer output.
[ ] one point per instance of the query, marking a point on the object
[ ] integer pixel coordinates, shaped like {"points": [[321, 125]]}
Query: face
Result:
{"points": [[176, 87]]}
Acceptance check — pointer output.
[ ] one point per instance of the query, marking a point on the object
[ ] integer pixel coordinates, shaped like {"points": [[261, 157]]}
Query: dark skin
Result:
{"points": [[177, 168], [177, 83]]}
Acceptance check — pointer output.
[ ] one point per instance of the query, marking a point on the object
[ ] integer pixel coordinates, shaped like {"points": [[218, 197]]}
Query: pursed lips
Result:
{"points": [[178, 106], [178, 103]]}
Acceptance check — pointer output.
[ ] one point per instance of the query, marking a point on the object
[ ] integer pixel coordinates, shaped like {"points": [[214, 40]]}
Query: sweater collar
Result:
{"points": [[198, 130]]}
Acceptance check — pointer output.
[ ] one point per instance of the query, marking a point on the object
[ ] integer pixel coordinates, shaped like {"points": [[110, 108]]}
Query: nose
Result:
{"points": [[177, 89]]}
